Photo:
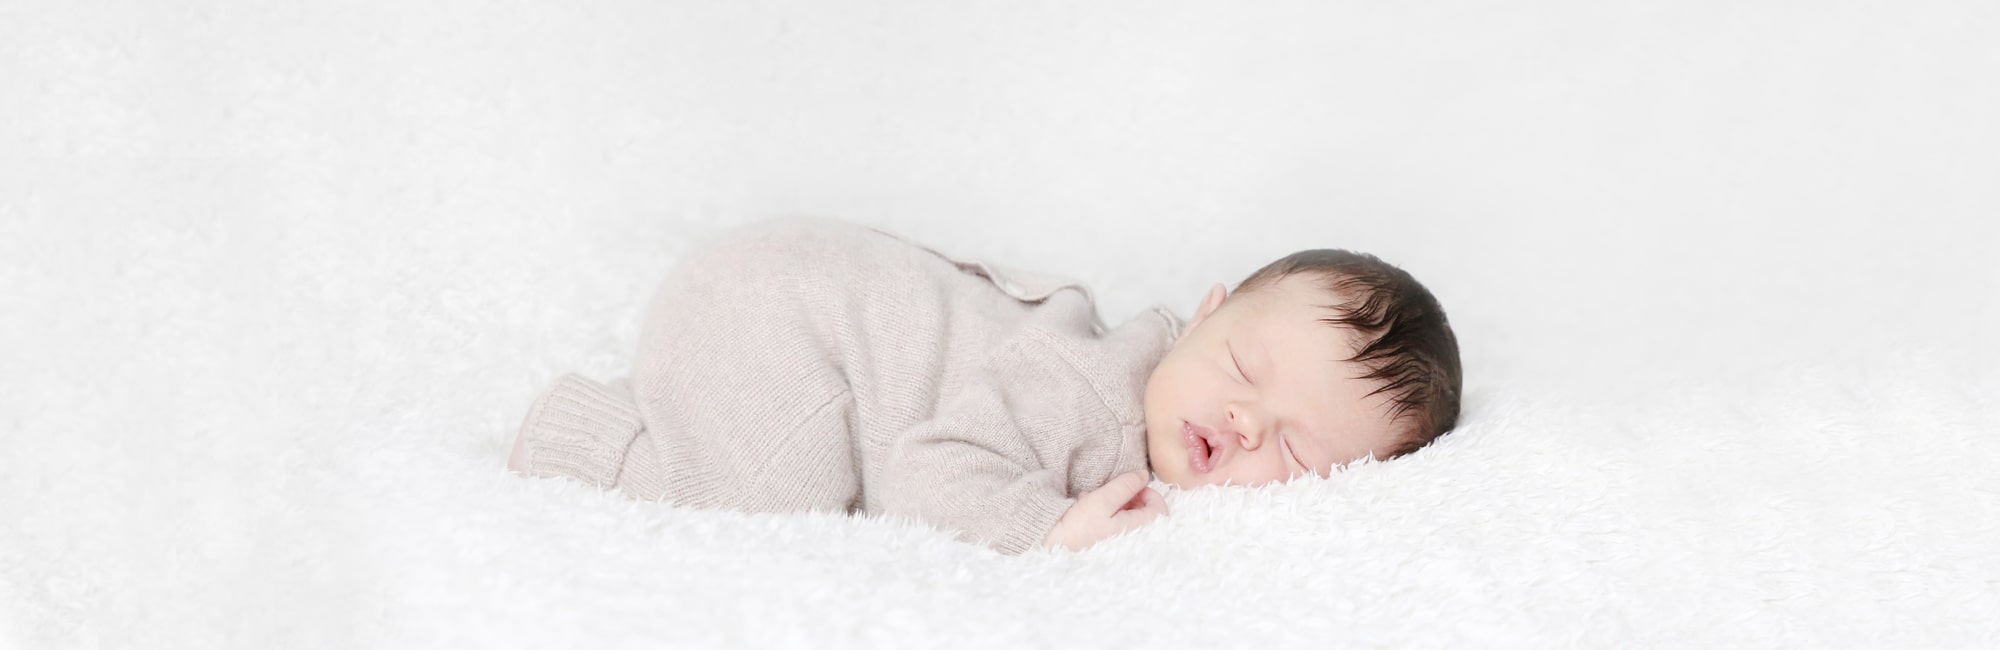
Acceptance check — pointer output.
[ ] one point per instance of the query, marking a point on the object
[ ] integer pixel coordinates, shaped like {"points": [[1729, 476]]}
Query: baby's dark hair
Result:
{"points": [[1407, 344]]}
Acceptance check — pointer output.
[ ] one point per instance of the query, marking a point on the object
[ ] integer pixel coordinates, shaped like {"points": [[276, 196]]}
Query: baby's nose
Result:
{"points": [[1250, 432]]}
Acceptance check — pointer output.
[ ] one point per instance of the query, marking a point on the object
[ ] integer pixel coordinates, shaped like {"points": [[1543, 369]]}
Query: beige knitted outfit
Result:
{"points": [[819, 365]]}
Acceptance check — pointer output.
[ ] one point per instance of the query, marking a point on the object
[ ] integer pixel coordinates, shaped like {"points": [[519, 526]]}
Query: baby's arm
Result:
{"points": [[969, 469], [972, 468]]}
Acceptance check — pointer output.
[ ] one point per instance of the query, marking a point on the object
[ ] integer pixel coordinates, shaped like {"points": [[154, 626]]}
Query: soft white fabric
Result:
{"points": [[280, 277]]}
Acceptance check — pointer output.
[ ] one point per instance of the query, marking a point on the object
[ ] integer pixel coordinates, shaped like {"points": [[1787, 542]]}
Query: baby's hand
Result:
{"points": [[1122, 504]]}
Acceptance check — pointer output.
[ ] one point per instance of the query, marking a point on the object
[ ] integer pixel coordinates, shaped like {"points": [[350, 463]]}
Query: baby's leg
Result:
{"points": [[580, 429], [739, 381], [782, 446], [738, 397]]}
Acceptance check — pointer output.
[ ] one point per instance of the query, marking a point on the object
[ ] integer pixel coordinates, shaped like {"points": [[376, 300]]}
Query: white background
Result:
{"points": [[280, 278]]}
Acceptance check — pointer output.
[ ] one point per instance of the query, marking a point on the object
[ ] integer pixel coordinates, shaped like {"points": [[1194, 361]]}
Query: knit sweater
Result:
{"points": [[818, 365]]}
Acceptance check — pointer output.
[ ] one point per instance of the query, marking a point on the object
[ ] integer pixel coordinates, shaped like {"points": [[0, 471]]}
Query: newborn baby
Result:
{"points": [[817, 365]]}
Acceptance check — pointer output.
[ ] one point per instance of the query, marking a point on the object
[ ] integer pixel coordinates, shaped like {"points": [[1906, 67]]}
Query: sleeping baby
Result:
{"points": [[817, 365]]}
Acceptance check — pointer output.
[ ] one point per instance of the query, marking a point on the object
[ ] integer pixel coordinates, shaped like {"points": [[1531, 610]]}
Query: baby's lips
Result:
{"points": [[1201, 455]]}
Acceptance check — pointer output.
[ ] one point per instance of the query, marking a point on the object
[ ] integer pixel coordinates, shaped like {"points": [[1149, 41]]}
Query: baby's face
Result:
{"points": [[1258, 390]]}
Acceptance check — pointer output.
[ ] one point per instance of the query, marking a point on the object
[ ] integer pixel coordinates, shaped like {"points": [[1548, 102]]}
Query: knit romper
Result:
{"points": [[809, 364]]}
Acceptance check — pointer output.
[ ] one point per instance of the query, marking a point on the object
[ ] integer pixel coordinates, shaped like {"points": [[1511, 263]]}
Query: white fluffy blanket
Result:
{"points": [[280, 279]]}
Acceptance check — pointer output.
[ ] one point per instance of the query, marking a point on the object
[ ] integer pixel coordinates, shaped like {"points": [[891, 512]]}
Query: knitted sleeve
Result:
{"points": [[974, 469]]}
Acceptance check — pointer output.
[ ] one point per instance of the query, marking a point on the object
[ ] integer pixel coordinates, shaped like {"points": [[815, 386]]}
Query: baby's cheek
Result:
{"points": [[1271, 470]]}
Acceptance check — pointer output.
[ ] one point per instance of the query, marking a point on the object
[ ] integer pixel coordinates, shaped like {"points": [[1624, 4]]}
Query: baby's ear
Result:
{"points": [[1208, 304]]}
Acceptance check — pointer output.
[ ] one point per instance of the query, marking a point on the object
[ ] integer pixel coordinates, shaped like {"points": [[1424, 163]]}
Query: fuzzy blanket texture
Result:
{"points": [[281, 278]]}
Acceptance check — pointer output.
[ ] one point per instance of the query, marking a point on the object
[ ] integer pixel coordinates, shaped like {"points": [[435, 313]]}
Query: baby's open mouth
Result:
{"points": [[1201, 455]]}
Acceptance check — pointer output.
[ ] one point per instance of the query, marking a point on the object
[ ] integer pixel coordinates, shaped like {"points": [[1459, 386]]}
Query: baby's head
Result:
{"points": [[1317, 360]]}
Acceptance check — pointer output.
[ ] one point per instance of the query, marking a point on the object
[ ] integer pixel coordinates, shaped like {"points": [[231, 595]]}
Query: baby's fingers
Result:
{"points": [[1117, 492], [1149, 499], [1129, 519]]}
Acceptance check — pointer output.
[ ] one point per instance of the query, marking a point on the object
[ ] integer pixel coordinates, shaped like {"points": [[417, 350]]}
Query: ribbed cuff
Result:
{"points": [[1032, 522], [581, 429]]}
